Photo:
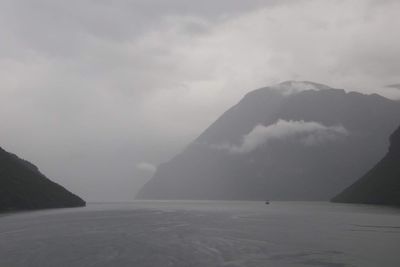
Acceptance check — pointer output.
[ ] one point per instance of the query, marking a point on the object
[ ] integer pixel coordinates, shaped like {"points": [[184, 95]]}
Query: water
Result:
{"points": [[203, 233]]}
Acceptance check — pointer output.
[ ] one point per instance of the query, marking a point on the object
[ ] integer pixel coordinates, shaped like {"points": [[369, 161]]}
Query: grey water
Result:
{"points": [[203, 233]]}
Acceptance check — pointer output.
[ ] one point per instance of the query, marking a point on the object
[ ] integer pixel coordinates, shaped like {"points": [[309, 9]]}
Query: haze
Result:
{"points": [[98, 93]]}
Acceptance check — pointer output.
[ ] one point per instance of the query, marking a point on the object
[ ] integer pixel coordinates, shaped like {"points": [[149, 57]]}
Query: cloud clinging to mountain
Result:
{"points": [[308, 133], [88, 87]]}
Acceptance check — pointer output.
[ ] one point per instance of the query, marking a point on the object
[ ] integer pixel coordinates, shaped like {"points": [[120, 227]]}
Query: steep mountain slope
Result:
{"points": [[381, 185], [292, 141], [23, 187]]}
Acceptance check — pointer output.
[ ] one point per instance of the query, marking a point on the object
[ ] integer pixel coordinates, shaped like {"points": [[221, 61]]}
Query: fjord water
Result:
{"points": [[203, 233]]}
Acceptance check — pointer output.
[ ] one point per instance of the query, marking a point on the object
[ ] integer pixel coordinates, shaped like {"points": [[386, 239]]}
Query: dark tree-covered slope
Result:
{"points": [[292, 141], [24, 187], [381, 185]]}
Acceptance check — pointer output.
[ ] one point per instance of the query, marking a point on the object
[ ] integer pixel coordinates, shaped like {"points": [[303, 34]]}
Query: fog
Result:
{"points": [[99, 93], [310, 133]]}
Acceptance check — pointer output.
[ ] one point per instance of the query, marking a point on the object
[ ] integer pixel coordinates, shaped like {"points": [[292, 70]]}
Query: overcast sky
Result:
{"points": [[98, 93]]}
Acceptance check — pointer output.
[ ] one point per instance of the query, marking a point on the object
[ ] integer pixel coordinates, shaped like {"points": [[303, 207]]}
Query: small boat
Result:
{"points": [[267, 202]]}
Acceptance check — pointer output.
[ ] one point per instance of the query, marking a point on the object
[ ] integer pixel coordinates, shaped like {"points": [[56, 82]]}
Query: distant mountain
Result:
{"points": [[396, 86], [380, 185], [24, 187], [291, 141]]}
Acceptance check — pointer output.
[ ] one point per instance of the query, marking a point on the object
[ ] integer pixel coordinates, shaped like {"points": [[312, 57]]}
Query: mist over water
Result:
{"points": [[203, 233], [149, 110], [94, 89]]}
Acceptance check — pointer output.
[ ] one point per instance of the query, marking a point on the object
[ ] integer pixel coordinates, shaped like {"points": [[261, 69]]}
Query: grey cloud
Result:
{"points": [[396, 86], [293, 87], [147, 167], [88, 88]]}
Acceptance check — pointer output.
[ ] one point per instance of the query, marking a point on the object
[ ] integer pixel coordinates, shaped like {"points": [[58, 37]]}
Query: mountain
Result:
{"points": [[24, 187], [396, 86], [380, 185], [292, 141]]}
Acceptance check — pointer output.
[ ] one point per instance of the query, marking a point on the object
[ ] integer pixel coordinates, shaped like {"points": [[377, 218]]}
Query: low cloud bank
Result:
{"points": [[293, 87], [309, 133], [146, 167], [396, 86]]}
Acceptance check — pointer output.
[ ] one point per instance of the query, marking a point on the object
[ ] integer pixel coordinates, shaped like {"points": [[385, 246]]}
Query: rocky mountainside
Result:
{"points": [[291, 141], [380, 185], [24, 187]]}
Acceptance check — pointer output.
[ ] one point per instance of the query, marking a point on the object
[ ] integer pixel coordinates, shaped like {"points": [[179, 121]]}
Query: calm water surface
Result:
{"points": [[203, 233]]}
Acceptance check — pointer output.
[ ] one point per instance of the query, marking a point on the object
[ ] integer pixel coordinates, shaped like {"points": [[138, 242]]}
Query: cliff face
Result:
{"points": [[293, 141], [24, 187], [380, 185]]}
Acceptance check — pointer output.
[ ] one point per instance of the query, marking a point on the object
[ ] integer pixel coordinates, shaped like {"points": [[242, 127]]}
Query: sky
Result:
{"points": [[98, 93]]}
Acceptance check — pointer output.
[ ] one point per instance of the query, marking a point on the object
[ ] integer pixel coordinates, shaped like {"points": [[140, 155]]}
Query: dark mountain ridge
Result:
{"points": [[315, 140], [24, 187], [380, 185]]}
